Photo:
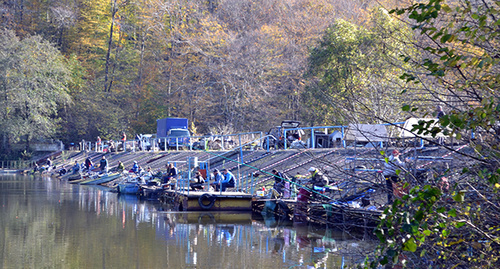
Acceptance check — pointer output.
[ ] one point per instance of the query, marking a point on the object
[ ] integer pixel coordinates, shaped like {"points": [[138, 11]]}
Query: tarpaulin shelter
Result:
{"points": [[366, 133]]}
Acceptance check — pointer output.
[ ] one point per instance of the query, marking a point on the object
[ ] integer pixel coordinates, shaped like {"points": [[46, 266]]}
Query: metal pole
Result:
{"points": [[342, 131], [260, 140], [241, 149], [239, 175], [189, 174], [312, 138], [284, 139]]}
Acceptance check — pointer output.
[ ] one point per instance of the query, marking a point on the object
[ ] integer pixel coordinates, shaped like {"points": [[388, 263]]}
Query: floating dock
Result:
{"points": [[208, 201]]}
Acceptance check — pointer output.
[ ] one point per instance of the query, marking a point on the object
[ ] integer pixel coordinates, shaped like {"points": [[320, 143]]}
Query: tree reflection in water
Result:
{"points": [[85, 226]]}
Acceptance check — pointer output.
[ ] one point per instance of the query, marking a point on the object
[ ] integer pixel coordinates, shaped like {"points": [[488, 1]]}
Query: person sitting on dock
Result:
{"points": [[318, 179], [62, 171], [148, 172], [170, 174], [228, 181], [135, 168], [76, 168], [103, 165], [319, 182], [279, 182], [88, 164], [198, 181], [217, 177], [120, 167]]}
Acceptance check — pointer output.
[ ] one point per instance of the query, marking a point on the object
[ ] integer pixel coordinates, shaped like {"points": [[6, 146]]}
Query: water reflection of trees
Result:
{"points": [[215, 238], [76, 224]]}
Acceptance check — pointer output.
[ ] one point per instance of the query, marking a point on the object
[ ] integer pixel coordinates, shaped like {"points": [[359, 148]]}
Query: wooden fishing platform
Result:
{"points": [[339, 216], [208, 201]]}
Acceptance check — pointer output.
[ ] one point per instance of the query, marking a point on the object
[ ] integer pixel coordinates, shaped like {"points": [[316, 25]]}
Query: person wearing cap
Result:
{"points": [[317, 178], [135, 167], [103, 164], [391, 170], [198, 181]]}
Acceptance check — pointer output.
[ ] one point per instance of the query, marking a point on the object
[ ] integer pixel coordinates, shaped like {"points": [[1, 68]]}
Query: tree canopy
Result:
{"points": [[31, 90]]}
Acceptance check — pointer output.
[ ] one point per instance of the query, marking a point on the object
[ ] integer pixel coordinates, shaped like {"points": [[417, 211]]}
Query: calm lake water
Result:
{"points": [[46, 223]]}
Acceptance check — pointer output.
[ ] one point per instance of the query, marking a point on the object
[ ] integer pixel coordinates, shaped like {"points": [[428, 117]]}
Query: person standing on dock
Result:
{"points": [[124, 140], [439, 114], [279, 182], [103, 164], [392, 168], [98, 144]]}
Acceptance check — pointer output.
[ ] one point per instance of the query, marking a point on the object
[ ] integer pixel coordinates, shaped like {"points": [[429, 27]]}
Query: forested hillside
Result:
{"points": [[227, 65]]}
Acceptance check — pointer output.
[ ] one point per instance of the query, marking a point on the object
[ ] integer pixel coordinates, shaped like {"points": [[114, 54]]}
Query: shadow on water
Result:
{"points": [[86, 226]]}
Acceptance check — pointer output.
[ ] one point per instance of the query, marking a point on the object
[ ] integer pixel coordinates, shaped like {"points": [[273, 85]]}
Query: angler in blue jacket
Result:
{"points": [[228, 181]]}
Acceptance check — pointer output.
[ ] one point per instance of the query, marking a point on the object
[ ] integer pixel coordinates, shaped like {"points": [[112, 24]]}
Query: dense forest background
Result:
{"points": [[83, 68]]}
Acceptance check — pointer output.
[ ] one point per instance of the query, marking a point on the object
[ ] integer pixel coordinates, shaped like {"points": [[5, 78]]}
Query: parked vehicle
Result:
{"points": [[277, 139], [173, 131], [145, 141]]}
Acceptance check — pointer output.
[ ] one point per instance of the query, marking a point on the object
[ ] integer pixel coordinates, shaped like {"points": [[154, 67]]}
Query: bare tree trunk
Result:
{"points": [[141, 63], [28, 143], [110, 43]]}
